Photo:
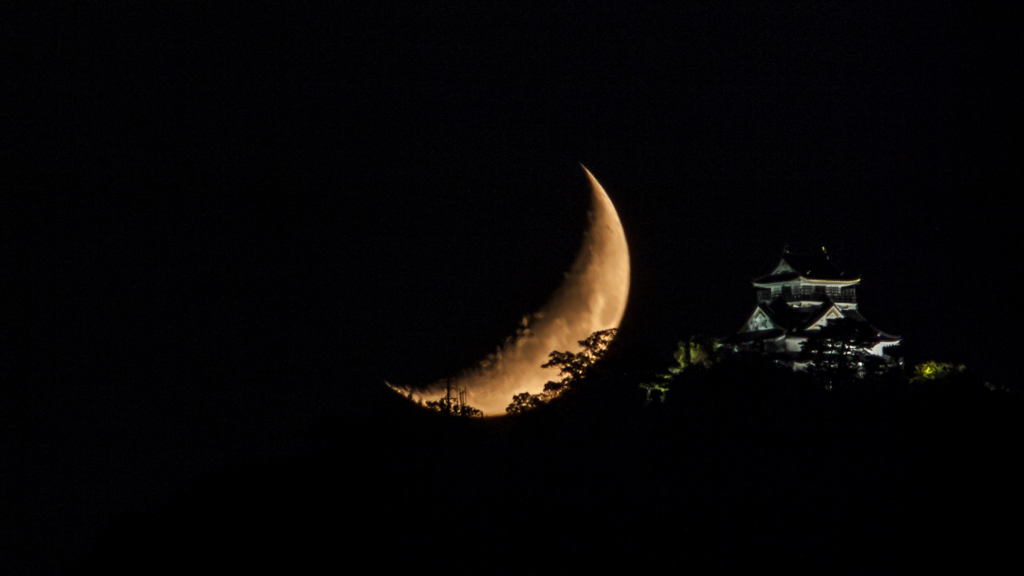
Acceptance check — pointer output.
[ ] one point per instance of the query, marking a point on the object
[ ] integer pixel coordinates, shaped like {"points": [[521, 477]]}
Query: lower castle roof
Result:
{"points": [[798, 320]]}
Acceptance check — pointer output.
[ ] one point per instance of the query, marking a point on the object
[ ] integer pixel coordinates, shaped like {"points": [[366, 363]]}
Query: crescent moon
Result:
{"points": [[592, 297]]}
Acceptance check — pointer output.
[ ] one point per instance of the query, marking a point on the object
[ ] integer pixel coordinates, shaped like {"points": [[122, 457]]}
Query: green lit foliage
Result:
{"points": [[658, 389], [943, 374], [572, 369], [932, 370], [698, 351]]}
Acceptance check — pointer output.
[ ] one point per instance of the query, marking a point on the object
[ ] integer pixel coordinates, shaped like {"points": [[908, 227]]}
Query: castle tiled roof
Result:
{"points": [[795, 320], [791, 317], [814, 265], [754, 336], [882, 336]]}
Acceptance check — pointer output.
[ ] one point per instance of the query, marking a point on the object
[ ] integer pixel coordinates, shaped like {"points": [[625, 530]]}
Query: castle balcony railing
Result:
{"points": [[845, 296]]}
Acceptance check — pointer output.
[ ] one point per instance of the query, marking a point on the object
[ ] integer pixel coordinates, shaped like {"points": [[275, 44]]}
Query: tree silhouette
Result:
{"points": [[837, 351], [572, 368], [523, 402], [454, 403]]}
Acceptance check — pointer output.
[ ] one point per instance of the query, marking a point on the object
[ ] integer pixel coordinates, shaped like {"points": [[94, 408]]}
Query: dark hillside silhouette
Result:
{"points": [[743, 465]]}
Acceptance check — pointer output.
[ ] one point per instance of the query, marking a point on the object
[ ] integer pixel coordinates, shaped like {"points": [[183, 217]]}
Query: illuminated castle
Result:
{"points": [[795, 301]]}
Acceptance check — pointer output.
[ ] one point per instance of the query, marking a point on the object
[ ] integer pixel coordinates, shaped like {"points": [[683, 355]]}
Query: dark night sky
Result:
{"points": [[239, 218]]}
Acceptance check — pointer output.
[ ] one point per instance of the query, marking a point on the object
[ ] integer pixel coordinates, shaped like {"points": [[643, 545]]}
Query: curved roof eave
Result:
{"points": [[766, 283]]}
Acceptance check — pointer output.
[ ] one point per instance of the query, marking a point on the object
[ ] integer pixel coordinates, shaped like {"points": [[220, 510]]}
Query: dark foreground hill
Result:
{"points": [[738, 469]]}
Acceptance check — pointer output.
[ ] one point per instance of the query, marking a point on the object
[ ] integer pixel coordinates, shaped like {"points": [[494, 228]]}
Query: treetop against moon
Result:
{"points": [[590, 299]]}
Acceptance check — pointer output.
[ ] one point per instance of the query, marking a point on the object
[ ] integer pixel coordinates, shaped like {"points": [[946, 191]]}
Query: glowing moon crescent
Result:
{"points": [[592, 297]]}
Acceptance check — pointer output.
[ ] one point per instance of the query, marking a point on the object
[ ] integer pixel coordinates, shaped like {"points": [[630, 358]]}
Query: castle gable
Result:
{"points": [[782, 268], [827, 313], [759, 320]]}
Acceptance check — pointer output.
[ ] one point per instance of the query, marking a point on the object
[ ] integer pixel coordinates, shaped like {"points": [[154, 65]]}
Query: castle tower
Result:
{"points": [[796, 299]]}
